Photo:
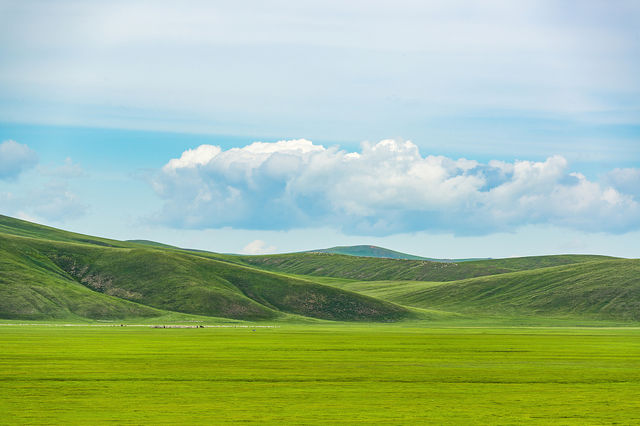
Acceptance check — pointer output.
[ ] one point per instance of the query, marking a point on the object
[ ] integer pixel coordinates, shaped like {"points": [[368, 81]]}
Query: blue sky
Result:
{"points": [[446, 129]]}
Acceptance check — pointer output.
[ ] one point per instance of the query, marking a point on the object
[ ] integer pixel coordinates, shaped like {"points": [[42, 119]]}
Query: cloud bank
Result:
{"points": [[386, 188], [252, 67], [15, 158]]}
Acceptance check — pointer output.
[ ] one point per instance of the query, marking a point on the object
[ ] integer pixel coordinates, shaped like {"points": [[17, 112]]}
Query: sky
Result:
{"points": [[448, 129]]}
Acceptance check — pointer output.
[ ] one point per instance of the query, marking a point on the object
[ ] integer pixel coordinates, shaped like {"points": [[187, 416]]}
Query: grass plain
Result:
{"points": [[301, 374]]}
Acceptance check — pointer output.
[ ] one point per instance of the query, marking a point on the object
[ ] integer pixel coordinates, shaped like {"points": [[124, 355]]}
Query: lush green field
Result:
{"points": [[319, 374]]}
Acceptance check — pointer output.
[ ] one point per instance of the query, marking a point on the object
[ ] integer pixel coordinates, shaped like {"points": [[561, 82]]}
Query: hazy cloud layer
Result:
{"points": [[54, 201], [68, 170], [331, 68], [15, 158], [57, 202], [386, 188]]}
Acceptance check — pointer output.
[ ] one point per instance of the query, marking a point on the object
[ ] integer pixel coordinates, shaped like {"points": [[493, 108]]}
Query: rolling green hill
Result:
{"points": [[371, 269], [72, 275], [46, 274], [33, 287], [608, 289]]}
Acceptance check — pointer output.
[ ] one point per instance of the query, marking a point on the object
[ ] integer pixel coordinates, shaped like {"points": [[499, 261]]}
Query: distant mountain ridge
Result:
{"points": [[381, 252]]}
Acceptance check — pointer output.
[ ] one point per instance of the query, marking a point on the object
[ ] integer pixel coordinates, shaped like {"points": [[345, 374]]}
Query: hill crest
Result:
{"points": [[364, 250]]}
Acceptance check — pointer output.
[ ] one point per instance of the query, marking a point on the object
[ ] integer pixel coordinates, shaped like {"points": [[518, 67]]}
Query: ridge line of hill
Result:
{"points": [[47, 273]]}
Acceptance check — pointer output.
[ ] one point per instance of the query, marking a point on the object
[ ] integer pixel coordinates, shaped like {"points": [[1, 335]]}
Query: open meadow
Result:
{"points": [[302, 374]]}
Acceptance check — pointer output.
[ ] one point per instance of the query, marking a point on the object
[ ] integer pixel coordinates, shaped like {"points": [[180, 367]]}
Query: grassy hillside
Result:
{"points": [[33, 287], [604, 289], [163, 279], [47, 273], [362, 268], [23, 228]]}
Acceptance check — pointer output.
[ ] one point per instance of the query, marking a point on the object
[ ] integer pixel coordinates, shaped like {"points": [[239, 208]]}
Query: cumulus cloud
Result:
{"points": [[386, 188], [258, 247], [194, 157], [15, 158]]}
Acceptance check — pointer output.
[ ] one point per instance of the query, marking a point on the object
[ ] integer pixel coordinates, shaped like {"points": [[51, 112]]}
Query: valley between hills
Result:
{"points": [[47, 274]]}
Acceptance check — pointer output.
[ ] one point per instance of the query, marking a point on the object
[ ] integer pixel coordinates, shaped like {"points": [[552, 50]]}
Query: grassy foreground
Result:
{"points": [[319, 374]]}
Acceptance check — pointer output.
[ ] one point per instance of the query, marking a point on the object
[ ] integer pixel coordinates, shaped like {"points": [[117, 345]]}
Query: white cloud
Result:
{"points": [[388, 187], [258, 247], [193, 157], [15, 158]]}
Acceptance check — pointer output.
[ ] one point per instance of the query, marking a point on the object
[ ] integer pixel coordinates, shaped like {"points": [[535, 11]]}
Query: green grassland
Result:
{"points": [[338, 374]]}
